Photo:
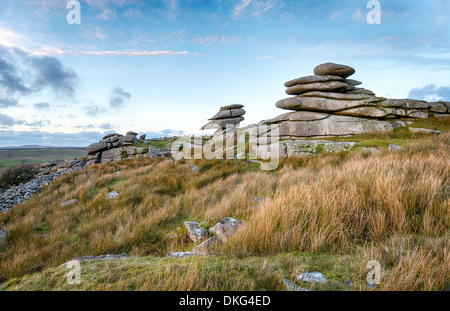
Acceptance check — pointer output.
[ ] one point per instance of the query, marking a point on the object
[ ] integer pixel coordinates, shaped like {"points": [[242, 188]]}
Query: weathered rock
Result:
{"points": [[231, 107], [352, 82], [101, 257], [222, 124], [371, 112], [312, 277], [438, 107], [334, 125], [321, 104], [312, 79], [405, 103], [207, 246], [180, 254], [3, 236], [334, 69], [67, 203], [110, 135], [226, 227], [195, 232], [113, 195], [320, 86], [393, 147], [424, 131], [305, 148], [340, 96], [143, 137], [226, 114], [95, 148], [360, 91]]}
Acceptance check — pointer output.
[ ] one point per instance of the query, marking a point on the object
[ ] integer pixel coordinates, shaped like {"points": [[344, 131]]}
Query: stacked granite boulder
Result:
{"points": [[115, 147], [228, 116], [329, 104]]}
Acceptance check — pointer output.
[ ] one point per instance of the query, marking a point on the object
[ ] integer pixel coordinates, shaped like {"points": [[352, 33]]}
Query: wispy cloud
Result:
{"points": [[253, 8], [118, 97]]}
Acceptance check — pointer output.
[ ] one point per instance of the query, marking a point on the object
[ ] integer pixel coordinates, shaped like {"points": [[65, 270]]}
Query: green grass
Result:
{"points": [[197, 273]]}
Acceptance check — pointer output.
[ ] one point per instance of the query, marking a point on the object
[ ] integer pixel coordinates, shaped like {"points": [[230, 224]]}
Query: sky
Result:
{"points": [[164, 67]]}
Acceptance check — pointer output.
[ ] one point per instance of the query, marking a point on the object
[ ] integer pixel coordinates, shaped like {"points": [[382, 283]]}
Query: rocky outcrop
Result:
{"points": [[329, 104], [227, 116], [115, 147]]}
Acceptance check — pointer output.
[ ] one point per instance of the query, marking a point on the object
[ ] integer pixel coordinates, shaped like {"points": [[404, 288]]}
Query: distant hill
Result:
{"points": [[39, 147], [10, 156]]}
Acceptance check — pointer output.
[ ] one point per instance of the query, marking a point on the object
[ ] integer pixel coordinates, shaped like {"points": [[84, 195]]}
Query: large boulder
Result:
{"points": [[95, 148], [304, 148], [334, 69]]}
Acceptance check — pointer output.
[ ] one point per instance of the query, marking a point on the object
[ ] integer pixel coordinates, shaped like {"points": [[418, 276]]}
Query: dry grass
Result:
{"points": [[349, 203]]}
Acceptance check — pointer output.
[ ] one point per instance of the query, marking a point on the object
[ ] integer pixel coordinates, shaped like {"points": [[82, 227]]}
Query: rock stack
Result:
{"points": [[329, 104], [227, 116]]}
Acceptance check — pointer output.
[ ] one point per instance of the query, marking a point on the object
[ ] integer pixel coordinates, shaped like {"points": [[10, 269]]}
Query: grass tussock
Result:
{"points": [[392, 207]]}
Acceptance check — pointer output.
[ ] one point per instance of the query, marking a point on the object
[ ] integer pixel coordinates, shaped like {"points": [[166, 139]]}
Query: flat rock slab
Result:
{"points": [[334, 125], [405, 103], [343, 71], [231, 107], [180, 254], [321, 104], [340, 96], [226, 114], [312, 79], [305, 148], [222, 124], [312, 277], [320, 86], [372, 112], [360, 91], [102, 257]]}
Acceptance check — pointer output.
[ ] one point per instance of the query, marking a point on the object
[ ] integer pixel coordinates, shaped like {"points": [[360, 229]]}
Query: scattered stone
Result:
{"points": [[67, 203], [290, 287], [312, 277], [226, 227], [370, 150], [393, 147], [195, 232], [348, 282], [180, 254], [113, 195], [101, 257], [194, 168], [206, 247], [424, 131]]}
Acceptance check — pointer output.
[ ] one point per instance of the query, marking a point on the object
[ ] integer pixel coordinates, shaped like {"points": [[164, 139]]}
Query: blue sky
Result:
{"points": [[165, 66]]}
